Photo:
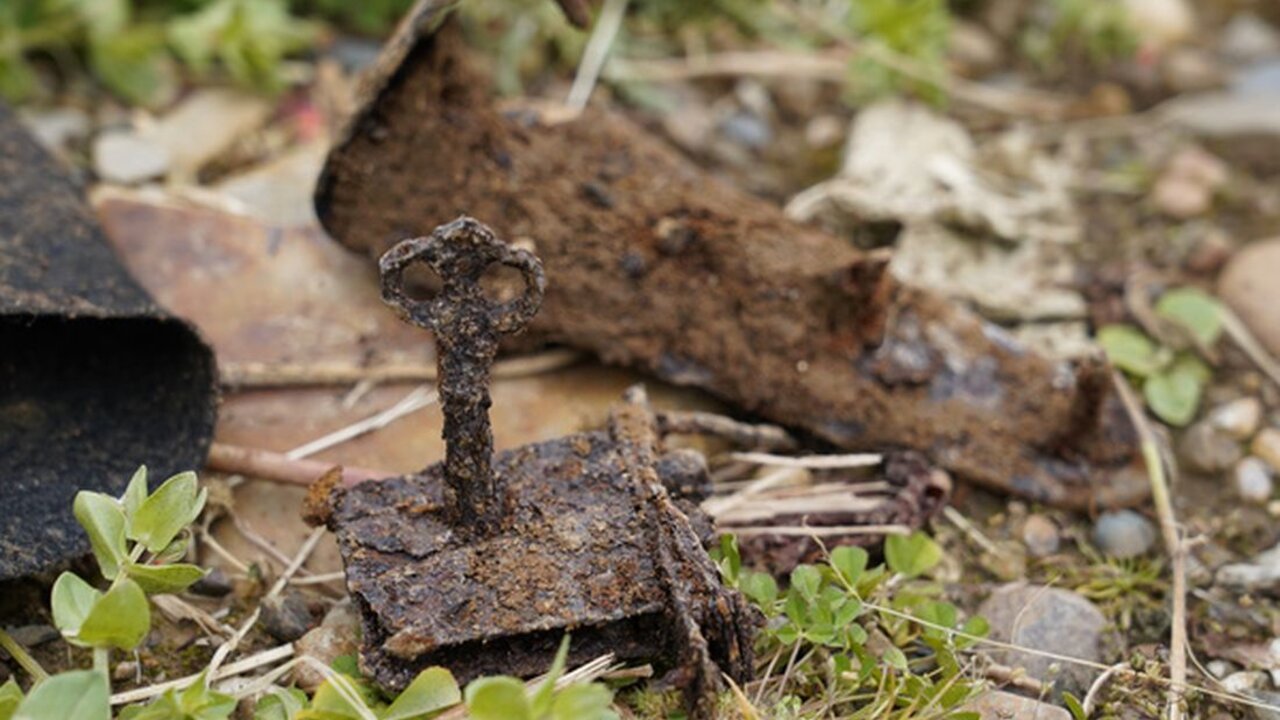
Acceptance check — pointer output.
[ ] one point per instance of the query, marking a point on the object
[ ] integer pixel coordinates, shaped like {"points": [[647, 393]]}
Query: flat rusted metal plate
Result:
{"points": [[570, 556], [95, 378], [586, 547]]}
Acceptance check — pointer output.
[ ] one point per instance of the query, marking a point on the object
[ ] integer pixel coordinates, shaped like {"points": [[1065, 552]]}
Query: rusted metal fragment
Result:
{"points": [[581, 550], [481, 563], [656, 264], [95, 378]]}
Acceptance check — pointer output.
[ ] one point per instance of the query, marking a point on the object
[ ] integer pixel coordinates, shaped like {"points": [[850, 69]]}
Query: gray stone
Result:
{"points": [[1000, 705], [1248, 37], [1252, 480], [1049, 619], [215, 583], [1208, 450], [287, 618], [125, 157], [747, 129], [34, 635], [58, 127], [1123, 534], [1040, 536], [1260, 573]]}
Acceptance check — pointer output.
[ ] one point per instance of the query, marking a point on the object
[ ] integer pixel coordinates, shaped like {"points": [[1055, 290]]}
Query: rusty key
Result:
{"points": [[467, 326]]}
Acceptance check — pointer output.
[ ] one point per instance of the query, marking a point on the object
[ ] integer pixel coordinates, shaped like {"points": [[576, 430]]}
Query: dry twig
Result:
{"points": [[1173, 545], [256, 375]]}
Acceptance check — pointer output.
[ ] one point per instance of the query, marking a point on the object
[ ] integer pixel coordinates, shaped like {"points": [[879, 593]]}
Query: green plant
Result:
{"points": [[917, 30], [136, 540], [347, 696], [195, 702], [862, 642], [1172, 380], [1064, 31], [131, 46]]}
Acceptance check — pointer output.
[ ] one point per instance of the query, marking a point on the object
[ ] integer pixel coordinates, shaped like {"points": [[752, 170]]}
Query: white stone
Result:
{"points": [[1239, 418], [123, 156], [1252, 480], [1161, 23]]}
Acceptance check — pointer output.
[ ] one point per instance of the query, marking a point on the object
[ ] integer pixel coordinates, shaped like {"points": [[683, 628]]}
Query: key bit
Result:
{"points": [[467, 327]]}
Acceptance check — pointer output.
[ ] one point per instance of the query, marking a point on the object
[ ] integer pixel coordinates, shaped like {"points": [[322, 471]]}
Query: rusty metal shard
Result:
{"points": [[655, 264]]}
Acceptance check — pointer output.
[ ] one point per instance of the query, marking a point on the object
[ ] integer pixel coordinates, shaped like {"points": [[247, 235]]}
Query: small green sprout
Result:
{"points": [[872, 641], [135, 539], [1172, 380]]}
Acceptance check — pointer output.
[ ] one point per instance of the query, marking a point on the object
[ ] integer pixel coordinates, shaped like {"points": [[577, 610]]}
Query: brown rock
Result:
{"points": [[1248, 285], [337, 635], [1266, 445], [1000, 705]]}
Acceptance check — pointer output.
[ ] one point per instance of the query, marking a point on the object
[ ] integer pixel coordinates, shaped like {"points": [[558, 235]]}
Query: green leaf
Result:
{"points": [[894, 657], [911, 555], [72, 600], [165, 707], [119, 619], [729, 559], [174, 551], [159, 579], [250, 37], [541, 703], [103, 520], [337, 697], [200, 702], [1130, 350], [135, 64], [81, 694], [584, 702], [10, 699], [1174, 394], [849, 562], [1194, 310], [761, 589], [498, 698], [806, 579], [1074, 706], [135, 494], [18, 79], [434, 689], [169, 509], [281, 704]]}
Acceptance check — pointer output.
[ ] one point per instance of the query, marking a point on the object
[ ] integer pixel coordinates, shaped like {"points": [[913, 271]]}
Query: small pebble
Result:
{"points": [[125, 157], [126, 670], [747, 129], [215, 583], [1266, 445], [1239, 418], [1252, 478], [337, 635], [1219, 668], [287, 618], [1040, 536], [1207, 450], [1123, 534]]}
